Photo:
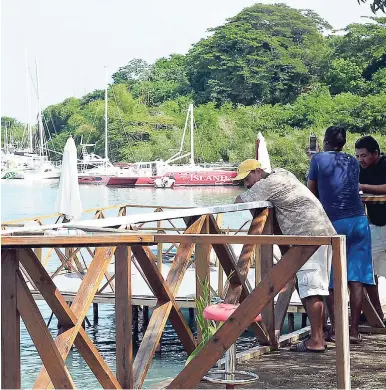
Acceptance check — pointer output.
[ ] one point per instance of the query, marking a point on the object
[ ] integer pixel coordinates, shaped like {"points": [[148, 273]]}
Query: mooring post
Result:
{"points": [[145, 318], [135, 323], [291, 322], [304, 320], [95, 313]]}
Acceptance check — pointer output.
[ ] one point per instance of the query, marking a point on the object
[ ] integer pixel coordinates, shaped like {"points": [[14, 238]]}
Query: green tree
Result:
{"points": [[136, 70], [265, 54]]}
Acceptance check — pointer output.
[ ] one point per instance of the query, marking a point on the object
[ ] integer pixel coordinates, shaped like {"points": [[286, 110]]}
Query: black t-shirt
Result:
{"points": [[375, 175]]}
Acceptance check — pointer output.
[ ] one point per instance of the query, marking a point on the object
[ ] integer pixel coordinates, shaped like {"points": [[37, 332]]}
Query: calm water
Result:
{"points": [[22, 199]]}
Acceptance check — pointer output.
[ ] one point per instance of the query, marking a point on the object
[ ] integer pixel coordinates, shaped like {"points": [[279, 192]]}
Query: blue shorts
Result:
{"points": [[358, 249]]}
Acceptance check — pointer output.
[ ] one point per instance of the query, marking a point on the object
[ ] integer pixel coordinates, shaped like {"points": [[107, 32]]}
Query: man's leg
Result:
{"points": [[356, 300], [315, 311], [373, 293]]}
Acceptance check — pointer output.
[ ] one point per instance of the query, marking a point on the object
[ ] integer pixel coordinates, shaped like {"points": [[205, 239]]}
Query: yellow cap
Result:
{"points": [[245, 167]]}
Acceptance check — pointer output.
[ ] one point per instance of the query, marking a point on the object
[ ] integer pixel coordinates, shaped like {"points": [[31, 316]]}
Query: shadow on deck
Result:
{"points": [[289, 370]]}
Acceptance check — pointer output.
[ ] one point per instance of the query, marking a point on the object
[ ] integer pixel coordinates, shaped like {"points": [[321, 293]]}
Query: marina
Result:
{"points": [[142, 285]]}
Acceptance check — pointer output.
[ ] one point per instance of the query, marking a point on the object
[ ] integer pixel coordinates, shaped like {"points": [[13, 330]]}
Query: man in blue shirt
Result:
{"points": [[334, 179]]}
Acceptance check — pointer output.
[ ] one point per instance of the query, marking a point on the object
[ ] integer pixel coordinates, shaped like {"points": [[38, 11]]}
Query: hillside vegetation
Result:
{"points": [[271, 68]]}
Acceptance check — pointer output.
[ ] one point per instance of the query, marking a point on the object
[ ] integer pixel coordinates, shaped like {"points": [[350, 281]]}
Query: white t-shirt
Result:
{"points": [[298, 211]]}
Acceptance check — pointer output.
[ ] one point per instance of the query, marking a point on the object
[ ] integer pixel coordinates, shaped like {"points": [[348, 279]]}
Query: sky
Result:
{"points": [[73, 40]]}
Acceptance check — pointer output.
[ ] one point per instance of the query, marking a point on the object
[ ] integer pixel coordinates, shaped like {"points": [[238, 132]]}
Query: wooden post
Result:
{"points": [[39, 253], [145, 318], [304, 320], [268, 314], [342, 343], [257, 264], [159, 247], [220, 286], [10, 322], [202, 262], [123, 314], [95, 313], [291, 322]]}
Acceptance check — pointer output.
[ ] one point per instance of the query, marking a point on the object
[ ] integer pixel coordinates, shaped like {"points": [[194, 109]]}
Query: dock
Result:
{"points": [[128, 240]]}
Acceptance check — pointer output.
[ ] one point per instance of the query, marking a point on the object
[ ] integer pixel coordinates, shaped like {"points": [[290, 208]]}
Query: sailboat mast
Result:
{"points": [[106, 97], [29, 127], [191, 136], [40, 121]]}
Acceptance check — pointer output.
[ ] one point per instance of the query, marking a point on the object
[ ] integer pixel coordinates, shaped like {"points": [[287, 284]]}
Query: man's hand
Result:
{"points": [[238, 199], [373, 189]]}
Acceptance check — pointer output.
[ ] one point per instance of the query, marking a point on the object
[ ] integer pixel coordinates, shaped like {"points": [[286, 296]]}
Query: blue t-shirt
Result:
{"points": [[337, 177]]}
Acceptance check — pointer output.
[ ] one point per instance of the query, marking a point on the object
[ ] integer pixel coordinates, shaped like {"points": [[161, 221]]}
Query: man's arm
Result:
{"points": [[313, 187], [373, 189], [238, 199]]}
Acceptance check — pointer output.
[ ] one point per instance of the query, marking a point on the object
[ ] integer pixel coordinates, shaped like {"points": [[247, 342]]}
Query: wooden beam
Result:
{"points": [[42, 338], [78, 241], [160, 314], [342, 342], [66, 316], [266, 257], [242, 317], [281, 307], [10, 322], [228, 262], [123, 314], [147, 261], [249, 239], [202, 269]]}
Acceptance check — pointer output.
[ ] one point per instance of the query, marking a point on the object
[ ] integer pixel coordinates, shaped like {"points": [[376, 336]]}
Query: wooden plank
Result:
{"points": [[281, 307], [144, 239], [10, 322], [160, 314], [268, 314], [42, 338], [38, 253], [242, 317], [78, 241], [342, 342], [245, 259], [147, 261], [202, 269], [67, 317], [123, 315], [227, 259], [257, 264], [250, 239], [371, 314]]}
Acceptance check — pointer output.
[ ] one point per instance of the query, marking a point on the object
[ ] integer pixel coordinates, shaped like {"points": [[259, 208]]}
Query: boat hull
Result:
{"points": [[122, 181], [94, 180], [193, 179]]}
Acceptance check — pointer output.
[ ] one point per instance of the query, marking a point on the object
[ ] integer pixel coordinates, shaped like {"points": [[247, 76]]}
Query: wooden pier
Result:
{"points": [[22, 264]]}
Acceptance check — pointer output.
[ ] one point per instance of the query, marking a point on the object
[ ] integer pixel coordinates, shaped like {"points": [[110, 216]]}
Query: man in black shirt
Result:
{"points": [[372, 180]]}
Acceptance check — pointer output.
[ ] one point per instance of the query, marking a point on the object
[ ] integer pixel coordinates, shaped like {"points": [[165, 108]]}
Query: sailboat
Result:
{"points": [[25, 163], [156, 173], [94, 169]]}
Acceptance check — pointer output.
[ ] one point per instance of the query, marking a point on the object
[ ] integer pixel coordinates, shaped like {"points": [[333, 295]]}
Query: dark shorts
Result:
{"points": [[358, 249]]}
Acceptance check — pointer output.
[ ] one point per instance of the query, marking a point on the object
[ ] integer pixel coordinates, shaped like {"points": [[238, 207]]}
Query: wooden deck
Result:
{"points": [[22, 261]]}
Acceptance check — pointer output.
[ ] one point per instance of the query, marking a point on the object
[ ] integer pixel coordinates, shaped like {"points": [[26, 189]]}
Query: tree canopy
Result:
{"points": [[270, 68]]}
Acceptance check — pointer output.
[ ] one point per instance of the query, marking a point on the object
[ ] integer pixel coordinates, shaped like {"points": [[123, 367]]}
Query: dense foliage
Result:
{"points": [[270, 68]]}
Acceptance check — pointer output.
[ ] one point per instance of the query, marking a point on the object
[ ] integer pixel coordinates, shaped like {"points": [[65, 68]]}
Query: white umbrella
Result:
{"points": [[68, 201], [263, 153]]}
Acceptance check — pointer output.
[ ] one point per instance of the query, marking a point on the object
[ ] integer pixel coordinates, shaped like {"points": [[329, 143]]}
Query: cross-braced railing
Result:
{"points": [[201, 234]]}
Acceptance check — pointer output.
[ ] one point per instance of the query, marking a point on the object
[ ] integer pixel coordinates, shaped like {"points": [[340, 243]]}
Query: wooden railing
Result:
{"points": [[201, 234]]}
